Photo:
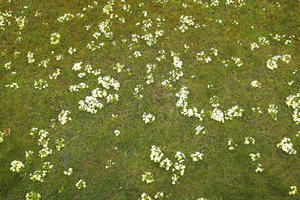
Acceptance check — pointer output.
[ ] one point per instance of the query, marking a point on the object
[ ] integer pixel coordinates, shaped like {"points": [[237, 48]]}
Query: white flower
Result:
{"points": [[107, 82], [249, 140], [197, 156], [293, 190], [255, 84], [254, 156], [148, 118], [159, 195], [28, 153], [59, 144], [273, 111], [90, 104], [16, 166], [55, 74], [47, 166], [77, 66], [235, 111], [64, 116], [200, 129], [72, 50], [40, 84], [147, 177], [13, 85], [137, 54], [166, 163], [145, 196], [259, 168], [156, 154], [55, 37], [117, 132], [254, 45], [175, 178], [81, 184], [68, 172], [38, 175], [30, 57], [217, 115], [214, 101], [33, 196], [287, 146], [231, 145]]}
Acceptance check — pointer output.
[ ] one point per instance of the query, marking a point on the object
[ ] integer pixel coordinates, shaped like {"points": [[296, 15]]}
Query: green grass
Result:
{"points": [[89, 138]]}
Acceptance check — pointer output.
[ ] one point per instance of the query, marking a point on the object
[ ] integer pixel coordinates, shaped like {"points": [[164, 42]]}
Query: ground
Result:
{"points": [[213, 50]]}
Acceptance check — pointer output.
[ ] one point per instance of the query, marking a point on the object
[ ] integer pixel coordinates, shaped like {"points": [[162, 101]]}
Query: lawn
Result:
{"points": [[157, 99]]}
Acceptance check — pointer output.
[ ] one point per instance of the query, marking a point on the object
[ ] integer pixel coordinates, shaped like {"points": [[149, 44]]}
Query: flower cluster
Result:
{"points": [[64, 116], [149, 77], [68, 172], [237, 61], [1, 137], [178, 167], [235, 111], [214, 101], [13, 85], [136, 93], [54, 75], [156, 154], [217, 115], [254, 156], [42, 141], [147, 177], [77, 66], [75, 88], [206, 57], [119, 68], [287, 146], [38, 175], [117, 133], [80, 184], [90, 104], [293, 101], [249, 140], [72, 50], [145, 196], [40, 84], [200, 129], [259, 168], [107, 82], [197, 156], [255, 84], [272, 62], [109, 164], [148, 118], [30, 57], [253, 46], [176, 73], [166, 163], [44, 63], [104, 27], [112, 98], [55, 37], [16, 166], [231, 145], [293, 190], [257, 110], [182, 102], [59, 144], [33, 196], [273, 111], [186, 21]]}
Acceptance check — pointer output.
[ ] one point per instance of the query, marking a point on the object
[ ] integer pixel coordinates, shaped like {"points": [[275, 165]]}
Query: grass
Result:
{"points": [[89, 139]]}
